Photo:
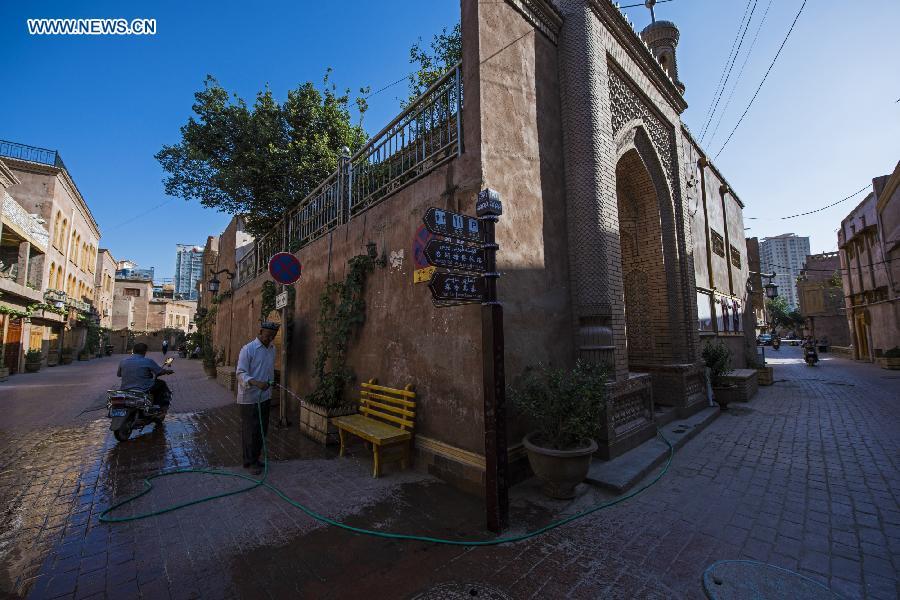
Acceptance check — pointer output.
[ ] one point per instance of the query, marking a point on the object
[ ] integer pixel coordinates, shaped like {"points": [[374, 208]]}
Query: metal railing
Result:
{"points": [[29, 224], [427, 134], [31, 154]]}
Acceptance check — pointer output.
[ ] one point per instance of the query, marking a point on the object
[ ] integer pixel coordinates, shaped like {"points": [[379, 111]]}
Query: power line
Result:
{"points": [[769, 70], [803, 214], [742, 32], [839, 268], [741, 72], [709, 111]]}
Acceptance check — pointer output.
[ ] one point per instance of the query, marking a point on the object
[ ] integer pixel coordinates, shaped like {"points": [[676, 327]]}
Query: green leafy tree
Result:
{"points": [[443, 53], [782, 315], [259, 160]]}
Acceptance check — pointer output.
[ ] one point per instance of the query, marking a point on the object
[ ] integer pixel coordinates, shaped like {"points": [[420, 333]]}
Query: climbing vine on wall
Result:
{"points": [[342, 310]]}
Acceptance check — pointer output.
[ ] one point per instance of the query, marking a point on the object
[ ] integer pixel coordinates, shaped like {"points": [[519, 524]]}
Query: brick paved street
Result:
{"points": [[806, 477]]}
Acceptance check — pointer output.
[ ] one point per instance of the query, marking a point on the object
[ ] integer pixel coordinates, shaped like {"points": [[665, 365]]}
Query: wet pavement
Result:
{"points": [[805, 477]]}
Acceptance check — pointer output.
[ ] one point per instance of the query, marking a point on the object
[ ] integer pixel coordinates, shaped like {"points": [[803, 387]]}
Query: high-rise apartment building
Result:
{"points": [[188, 269], [784, 254]]}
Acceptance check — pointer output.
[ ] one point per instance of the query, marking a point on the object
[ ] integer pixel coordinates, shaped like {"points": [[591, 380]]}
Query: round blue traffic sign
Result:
{"points": [[284, 268]]}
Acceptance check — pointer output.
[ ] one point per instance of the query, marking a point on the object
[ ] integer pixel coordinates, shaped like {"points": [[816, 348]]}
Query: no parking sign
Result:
{"points": [[284, 268]]}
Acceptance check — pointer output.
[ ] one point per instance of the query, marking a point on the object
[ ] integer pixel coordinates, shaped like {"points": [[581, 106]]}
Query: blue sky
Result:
{"points": [[825, 123]]}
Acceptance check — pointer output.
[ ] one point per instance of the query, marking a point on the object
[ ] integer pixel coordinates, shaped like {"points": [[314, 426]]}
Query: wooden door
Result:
{"points": [[13, 344]]}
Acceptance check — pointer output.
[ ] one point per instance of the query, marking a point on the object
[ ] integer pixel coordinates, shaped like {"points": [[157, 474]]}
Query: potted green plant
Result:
{"points": [[83, 354], [52, 358], [4, 370], [66, 355], [33, 360], [566, 408], [717, 357], [891, 359]]}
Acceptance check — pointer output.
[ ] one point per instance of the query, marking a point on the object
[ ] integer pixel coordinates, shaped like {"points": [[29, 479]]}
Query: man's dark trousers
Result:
{"points": [[251, 440]]}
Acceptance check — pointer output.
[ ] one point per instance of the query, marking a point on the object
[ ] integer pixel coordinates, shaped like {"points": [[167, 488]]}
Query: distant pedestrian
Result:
{"points": [[255, 369], [165, 346]]}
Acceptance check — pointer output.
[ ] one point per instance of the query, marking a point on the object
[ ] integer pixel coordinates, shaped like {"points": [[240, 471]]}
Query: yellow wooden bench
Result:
{"points": [[385, 420]]}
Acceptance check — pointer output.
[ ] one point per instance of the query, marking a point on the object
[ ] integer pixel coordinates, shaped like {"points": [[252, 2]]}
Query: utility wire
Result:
{"points": [[809, 212], [742, 32], [709, 111], [642, 4], [741, 72], [769, 70]]}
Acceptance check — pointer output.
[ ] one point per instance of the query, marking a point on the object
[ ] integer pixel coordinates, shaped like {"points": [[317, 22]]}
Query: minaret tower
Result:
{"points": [[662, 37]]}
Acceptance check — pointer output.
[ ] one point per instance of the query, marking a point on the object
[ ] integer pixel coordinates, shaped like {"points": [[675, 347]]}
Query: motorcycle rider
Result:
{"points": [[141, 373], [809, 348]]}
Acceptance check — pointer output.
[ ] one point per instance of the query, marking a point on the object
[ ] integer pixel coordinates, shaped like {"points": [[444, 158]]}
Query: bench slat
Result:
{"points": [[394, 409], [381, 388], [371, 430], [380, 415], [400, 401]]}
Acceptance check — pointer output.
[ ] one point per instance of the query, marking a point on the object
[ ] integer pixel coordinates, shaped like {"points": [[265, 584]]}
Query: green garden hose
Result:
{"points": [[104, 518]]}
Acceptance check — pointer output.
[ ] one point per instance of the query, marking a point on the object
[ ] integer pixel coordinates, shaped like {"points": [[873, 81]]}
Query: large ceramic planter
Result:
{"points": [[4, 373], [765, 376], [315, 422], [32, 367], [725, 395], [559, 471], [210, 371], [83, 356], [65, 358], [52, 359], [889, 363]]}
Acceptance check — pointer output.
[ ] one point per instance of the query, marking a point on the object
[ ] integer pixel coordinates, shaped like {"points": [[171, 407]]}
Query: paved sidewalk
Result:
{"points": [[806, 476]]}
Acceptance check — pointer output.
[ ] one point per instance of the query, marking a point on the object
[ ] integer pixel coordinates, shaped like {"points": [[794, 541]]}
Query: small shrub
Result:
{"points": [[717, 357], [565, 406], [33, 356]]}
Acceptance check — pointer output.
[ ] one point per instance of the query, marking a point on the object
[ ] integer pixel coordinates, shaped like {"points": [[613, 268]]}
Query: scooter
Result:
{"points": [[810, 355], [133, 409]]}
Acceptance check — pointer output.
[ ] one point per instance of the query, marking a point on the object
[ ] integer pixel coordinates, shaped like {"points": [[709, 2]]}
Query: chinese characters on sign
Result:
{"points": [[450, 255], [451, 287]]}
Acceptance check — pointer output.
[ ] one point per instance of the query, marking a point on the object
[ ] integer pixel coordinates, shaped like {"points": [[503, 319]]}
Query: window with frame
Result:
{"points": [[135, 292], [735, 257], [718, 243]]}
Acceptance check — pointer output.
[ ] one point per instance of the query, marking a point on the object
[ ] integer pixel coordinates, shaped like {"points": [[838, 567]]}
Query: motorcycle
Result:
{"points": [[810, 356], [133, 409]]}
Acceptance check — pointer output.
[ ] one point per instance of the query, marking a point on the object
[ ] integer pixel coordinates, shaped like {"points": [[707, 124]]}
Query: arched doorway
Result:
{"points": [[646, 295]]}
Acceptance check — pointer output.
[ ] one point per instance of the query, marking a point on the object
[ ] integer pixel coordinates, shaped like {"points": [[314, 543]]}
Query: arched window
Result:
{"points": [[52, 275], [63, 233]]}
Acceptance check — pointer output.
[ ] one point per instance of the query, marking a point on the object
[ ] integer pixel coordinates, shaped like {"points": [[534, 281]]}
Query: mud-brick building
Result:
{"points": [[620, 241]]}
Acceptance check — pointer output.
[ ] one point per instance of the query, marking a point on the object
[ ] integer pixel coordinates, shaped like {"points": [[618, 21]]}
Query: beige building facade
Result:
{"points": [[132, 295], [171, 314], [869, 244], [57, 263], [104, 286]]}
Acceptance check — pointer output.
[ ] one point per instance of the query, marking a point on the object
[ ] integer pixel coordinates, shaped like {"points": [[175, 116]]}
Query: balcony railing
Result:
{"points": [[29, 224], [427, 134], [31, 154]]}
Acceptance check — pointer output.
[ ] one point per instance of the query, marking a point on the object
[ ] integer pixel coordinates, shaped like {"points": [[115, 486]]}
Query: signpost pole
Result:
{"points": [[492, 349], [285, 344]]}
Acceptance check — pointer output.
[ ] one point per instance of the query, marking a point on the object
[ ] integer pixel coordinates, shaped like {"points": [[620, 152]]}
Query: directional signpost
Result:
{"points": [[450, 255], [471, 254], [453, 225]]}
